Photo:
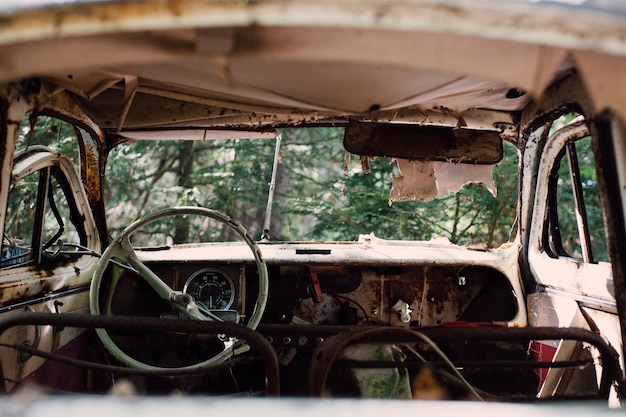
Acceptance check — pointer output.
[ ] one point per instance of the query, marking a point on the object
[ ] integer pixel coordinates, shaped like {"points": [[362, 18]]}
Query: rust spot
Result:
{"points": [[176, 7], [515, 93], [45, 288], [372, 286], [407, 285], [47, 273], [439, 285], [338, 279]]}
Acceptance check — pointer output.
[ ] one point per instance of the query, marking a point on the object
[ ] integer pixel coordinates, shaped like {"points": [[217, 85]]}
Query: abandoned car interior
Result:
{"points": [[140, 253]]}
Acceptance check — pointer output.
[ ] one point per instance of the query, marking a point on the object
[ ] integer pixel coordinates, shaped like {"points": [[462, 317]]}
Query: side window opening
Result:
{"points": [[575, 226], [37, 130], [42, 222]]}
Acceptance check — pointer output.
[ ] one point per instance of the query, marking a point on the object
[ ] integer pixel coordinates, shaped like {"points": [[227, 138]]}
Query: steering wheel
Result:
{"points": [[121, 249]]}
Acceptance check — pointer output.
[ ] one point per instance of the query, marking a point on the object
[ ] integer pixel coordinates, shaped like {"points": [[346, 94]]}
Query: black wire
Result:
{"points": [[341, 297]]}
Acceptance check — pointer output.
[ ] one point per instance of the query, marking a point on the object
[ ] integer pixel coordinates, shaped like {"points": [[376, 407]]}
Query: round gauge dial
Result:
{"points": [[212, 287]]}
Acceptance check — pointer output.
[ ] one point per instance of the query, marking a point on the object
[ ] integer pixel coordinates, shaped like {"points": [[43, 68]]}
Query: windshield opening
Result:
{"points": [[321, 193]]}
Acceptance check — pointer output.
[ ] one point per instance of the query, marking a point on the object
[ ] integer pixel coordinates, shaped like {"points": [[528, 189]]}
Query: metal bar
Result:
{"points": [[270, 197], [44, 298], [608, 139], [353, 363], [127, 370], [40, 214], [579, 200], [155, 325], [327, 351]]}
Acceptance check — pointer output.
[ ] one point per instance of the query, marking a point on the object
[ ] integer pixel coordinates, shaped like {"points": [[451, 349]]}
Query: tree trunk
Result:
{"points": [[185, 181]]}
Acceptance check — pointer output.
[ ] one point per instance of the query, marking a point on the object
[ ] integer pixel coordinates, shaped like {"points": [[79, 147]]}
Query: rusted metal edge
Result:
{"points": [[151, 324]]}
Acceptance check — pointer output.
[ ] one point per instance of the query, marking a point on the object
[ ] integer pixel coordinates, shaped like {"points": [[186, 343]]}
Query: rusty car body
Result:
{"points": [[437, 85]]}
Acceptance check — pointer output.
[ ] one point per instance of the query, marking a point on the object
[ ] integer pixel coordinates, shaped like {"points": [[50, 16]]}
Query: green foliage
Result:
{"points": [[53, 133], [568, 228], [21, 206], [321, 193], [228, 176], [353, 203], [317, 196], [24, 193], [570, 238]]}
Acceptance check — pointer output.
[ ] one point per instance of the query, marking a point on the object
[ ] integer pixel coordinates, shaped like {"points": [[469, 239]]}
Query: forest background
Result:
{"points": [[321, 193], [317, 195]]}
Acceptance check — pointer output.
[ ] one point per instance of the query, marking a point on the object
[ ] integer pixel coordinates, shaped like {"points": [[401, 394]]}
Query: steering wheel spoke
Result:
{"points": [[157, 284]]}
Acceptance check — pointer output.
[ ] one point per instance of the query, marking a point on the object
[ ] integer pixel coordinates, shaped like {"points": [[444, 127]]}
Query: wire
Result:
{"points": [[416, 353], [355, 338], [443, 356], [87, 251], [367, 318]]}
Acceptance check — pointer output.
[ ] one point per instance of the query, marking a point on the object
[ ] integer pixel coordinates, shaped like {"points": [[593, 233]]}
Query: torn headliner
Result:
{"points": [[305, 82], [203, 64]]}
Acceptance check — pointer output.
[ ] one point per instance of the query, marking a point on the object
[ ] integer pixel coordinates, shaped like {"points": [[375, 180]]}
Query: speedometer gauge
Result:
{"points": [[212, 287]]}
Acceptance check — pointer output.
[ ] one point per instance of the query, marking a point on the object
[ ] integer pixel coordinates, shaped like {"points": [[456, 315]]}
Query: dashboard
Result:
{"points": [[341, 284], [317, 291]]}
